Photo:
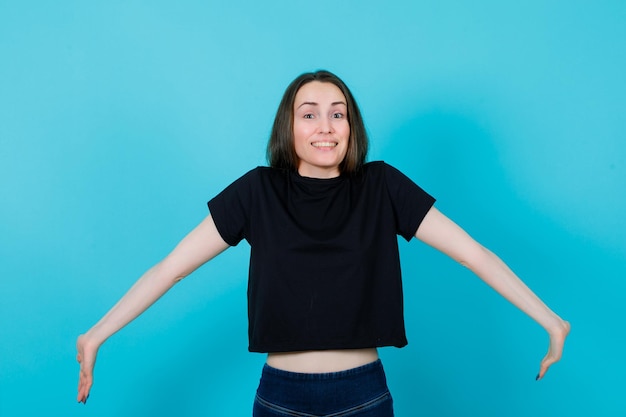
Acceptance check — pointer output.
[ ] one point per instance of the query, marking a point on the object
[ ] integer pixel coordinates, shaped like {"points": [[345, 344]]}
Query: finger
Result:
{"points": [[542, 371], [546, 363], [82, 398], [84, 386]]}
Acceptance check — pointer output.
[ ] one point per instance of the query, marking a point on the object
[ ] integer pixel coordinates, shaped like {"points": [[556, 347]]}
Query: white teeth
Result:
{"points": [[324, 144]]}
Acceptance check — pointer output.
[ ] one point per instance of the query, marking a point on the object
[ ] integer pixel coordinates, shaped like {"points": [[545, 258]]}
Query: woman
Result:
{"points": [[324, 287]]}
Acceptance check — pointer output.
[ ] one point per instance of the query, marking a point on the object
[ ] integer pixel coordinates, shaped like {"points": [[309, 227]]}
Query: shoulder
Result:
{"points": [[392, 178], [260, 180], [380, 168], [266, 174], [260, 173], [378, 165], [373, 165]]}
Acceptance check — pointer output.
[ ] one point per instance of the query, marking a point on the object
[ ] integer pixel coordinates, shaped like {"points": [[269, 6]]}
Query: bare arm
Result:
{"points": [[441, 233], [199, 246]]}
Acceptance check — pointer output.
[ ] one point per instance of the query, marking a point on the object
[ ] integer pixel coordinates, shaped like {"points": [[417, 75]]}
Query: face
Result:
{"points": [[321, 130]]}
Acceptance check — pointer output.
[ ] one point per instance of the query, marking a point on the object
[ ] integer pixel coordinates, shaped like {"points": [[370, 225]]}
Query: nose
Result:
{"points": [[326, 125]]}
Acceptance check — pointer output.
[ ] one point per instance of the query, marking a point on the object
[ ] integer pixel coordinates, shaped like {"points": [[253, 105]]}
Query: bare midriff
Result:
{"points": [[321, 361]]}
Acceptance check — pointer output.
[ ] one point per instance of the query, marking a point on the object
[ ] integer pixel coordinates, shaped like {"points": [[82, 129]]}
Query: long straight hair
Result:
{"points": [[281, 151]]}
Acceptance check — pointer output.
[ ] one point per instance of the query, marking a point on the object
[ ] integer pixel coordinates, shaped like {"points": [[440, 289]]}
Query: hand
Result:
{"points": [[86, 357], [555, 350]]}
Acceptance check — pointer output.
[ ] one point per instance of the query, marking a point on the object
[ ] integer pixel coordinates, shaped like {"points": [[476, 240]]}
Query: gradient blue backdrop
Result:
{"points": [[120, 119]]}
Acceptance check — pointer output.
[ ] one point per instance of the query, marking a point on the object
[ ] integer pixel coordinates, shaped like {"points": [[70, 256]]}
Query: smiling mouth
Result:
{"points": [[324, 144]]}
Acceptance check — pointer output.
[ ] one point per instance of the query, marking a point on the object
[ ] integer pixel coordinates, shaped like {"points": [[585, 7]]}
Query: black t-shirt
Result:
{"points": [[324, 263]]}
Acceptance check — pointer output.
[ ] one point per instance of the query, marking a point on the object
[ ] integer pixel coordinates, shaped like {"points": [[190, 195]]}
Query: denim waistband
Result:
{"points": [[323, 393]]}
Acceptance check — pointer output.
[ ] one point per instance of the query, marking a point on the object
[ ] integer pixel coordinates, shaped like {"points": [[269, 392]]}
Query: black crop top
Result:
{"points": [[324, 263]]}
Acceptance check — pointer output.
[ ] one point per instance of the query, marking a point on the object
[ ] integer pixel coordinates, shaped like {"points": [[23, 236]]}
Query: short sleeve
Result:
{"points": [[230, 209], [410, 202]]}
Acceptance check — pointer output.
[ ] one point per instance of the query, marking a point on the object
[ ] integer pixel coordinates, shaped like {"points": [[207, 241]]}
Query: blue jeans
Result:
{"points": [[357, 392]]}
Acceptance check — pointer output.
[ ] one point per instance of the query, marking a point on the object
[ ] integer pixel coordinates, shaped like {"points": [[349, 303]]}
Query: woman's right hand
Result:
{"points": [[86, 357], [200, 245]]}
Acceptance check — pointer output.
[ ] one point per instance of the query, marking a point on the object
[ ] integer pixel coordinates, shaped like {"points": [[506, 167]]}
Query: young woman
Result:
{"points": [[324, 289]]}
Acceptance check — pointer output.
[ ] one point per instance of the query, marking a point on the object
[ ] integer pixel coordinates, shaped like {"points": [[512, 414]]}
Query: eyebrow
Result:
{"points": [[312, 103]]}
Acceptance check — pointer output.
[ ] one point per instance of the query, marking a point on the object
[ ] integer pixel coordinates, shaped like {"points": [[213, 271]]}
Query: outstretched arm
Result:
{"points": [[443, 234], [200, 245]]}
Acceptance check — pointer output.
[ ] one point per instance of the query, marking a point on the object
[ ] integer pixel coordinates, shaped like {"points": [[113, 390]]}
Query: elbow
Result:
{"points": [[475, 257], [178, 275], [169, 271], [178, 278]]}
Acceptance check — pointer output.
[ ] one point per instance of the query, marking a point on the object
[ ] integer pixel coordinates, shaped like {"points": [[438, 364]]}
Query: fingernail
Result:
{"points": [[537, 378]]}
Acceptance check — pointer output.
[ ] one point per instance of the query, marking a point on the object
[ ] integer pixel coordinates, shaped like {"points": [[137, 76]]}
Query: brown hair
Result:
{"points": [[281, 151]]}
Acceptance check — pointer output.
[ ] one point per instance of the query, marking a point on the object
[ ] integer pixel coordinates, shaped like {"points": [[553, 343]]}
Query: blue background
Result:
{"points": [[120, 119]]}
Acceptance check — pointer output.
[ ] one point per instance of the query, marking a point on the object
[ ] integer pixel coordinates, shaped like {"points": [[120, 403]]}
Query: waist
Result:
{"points": [[322, 361]]}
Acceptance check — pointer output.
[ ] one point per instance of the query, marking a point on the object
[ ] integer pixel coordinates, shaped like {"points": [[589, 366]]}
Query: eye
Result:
{"points": [[308, 116], [338, 116]]}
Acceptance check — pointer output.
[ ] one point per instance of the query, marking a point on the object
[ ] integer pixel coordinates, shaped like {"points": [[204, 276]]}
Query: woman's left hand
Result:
{"points": [[86, 357], [555, 350]]}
